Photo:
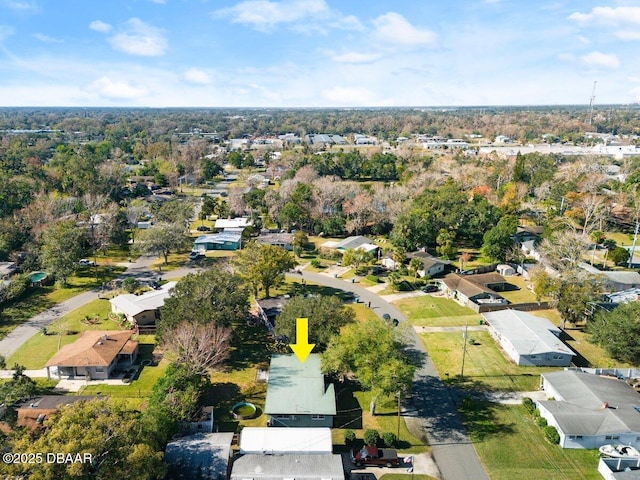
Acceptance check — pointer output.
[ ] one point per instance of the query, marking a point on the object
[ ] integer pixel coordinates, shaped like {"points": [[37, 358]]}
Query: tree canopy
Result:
{"points": [[618, 332], [263, 266], [326, 314]]}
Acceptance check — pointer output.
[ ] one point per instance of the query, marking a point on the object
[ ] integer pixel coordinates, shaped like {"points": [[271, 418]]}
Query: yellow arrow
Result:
{"points": [[302, 348]]}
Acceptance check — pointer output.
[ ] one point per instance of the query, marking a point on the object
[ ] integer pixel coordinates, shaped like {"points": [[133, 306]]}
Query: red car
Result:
{"points": [[386, 457]]}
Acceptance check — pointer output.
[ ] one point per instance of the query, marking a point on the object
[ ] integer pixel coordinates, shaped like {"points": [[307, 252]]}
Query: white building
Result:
{"points": [[290, 441]]}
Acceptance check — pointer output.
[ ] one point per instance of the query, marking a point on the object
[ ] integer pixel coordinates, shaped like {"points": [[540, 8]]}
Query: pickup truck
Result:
{"points": [[386, 457]]}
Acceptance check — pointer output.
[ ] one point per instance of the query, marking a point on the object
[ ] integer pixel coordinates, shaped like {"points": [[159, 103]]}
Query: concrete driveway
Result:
{"points": [[418, 464]]}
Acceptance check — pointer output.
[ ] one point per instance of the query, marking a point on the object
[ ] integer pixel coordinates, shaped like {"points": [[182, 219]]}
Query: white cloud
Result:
{"points": [[598, 59], [263, 15], [628, 35], [116, 89], [354, 57], [46, 38], [393, 28], [139, 38], [608, 16], [21, 6], [100, 26], [197, 77]]}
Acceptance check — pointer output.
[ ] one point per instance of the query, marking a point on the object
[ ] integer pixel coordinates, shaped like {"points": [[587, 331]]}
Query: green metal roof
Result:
{"points": [[298, 388]]}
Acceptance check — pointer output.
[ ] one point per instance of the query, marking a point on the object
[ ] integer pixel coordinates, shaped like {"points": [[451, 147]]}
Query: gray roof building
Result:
{"points": [[527, 339], [203, 455], [280, 467], [591, 410]]}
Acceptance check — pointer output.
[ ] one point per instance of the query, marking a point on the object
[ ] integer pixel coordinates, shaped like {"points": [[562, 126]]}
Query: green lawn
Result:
{"points": [[429, 310], [523, 295], [34, 353], [363, 313], [511, 445], [485, 367]]}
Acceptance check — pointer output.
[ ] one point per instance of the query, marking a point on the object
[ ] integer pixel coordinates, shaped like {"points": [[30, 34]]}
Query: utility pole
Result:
{"points": [[633, 247], [591, 100], [464, 351], [398, 435]]}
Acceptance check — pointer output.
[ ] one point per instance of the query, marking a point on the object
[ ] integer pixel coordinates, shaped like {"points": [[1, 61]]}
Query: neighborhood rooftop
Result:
{"points": [[295, 387], [94, 348], [132, 305], [274, 467]]}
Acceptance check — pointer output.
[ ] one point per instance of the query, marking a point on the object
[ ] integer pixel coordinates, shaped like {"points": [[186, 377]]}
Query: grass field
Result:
{"points": [[485, 368], [511, 445], [429, 310], [35, 352], [39, 299]]}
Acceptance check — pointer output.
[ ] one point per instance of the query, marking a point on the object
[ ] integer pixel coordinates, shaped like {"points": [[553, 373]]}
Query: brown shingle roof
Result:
{"points": [[471, 285], [94, 348]]}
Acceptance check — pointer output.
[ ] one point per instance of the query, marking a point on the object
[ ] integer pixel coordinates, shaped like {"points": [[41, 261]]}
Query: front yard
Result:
{"points": [[435, 310]]}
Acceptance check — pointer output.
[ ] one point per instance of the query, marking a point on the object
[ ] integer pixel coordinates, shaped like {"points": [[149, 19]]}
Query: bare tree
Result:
{"points": [[565, 250], [199, 347]]}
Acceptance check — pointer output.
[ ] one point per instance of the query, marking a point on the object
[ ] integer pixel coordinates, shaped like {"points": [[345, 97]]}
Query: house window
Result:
{"points": [[317, 417], [557, 357], [283, 417], [533, 356], [611, 437], [99, 369], [575, 437]]}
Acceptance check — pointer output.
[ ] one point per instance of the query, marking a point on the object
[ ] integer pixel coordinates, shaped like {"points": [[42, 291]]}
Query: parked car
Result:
{"points": [[196, 256], [203, 228], [384, 457], [430, 288], [85, 262]]}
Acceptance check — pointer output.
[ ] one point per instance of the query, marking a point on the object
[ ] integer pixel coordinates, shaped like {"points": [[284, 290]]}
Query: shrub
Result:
{"points": [[552, 434], [3, 362], [130, 284], [529, 405], [372, 278], [542, 422], [389, 439], [371, 437], [315, 263], [349, 437]]}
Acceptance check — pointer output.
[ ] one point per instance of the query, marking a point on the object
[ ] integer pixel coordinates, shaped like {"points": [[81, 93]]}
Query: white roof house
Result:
{"points": [[357, 242], [527, 339], [260, 440], [141, 309], [232, 223], [203, 455], [591, 410]]}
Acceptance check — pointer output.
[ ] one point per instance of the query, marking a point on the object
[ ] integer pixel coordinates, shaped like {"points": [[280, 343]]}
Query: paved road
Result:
{"points": [[431, 412], [140, 269]]}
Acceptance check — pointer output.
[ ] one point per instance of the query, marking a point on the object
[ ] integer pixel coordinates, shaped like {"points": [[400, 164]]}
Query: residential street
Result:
{"points": [[431, 412]]}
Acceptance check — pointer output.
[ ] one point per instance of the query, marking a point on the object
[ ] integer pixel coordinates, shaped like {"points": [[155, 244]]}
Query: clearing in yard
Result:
{"points": [[485, 367], [511, 445], [431, 310]]}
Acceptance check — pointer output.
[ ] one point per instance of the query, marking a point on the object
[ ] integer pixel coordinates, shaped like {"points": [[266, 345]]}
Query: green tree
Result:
{"points": [[499, 240], [263, 266], [619, 255], [356, 257], [214, 297], [446, 243], [415, 265], [326, 316], [110, 432], [374, 352], [618, 331], [300, 241], [162, 239], [62, 248]]}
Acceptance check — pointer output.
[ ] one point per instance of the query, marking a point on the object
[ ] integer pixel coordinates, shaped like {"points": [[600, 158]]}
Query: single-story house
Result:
{"points": [[619, 468], [297, 395], [290, 441], [142, 309], [527, 339], [527, 234], [284, 240], [614, 281], [590, 410], [234, 225], [283, 467], [33, 412], [203, 455], [357, 242], [478, 289], [431, 266], [94, 355], [218, 241]]}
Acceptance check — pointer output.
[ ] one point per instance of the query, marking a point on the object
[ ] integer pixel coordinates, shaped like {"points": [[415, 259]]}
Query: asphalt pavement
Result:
{"points": [[430, 413]]}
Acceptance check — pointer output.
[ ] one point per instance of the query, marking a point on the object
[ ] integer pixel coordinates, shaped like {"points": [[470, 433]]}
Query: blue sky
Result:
{"points": [[317, 53]]}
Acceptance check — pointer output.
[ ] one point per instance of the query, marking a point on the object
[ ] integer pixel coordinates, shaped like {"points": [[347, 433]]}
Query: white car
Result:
{"points": [[85, 262]]}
